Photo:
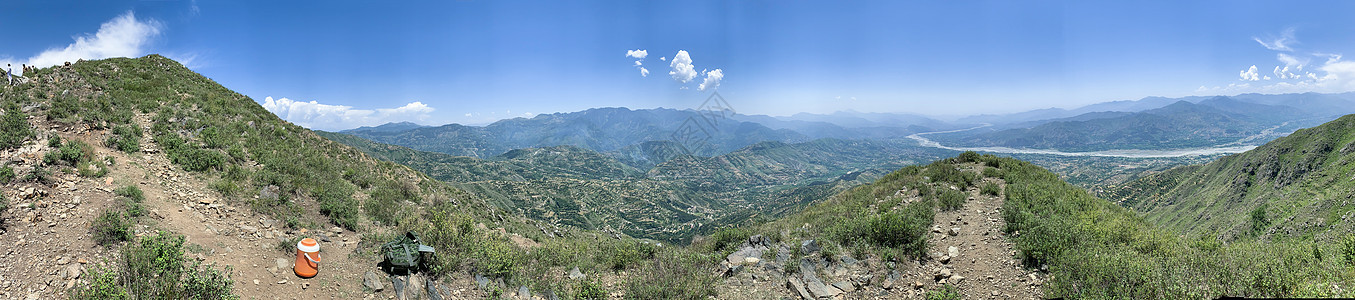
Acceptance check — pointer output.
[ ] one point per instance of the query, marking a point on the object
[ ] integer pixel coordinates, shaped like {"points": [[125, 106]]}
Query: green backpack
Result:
{"points": [[404, 254]]}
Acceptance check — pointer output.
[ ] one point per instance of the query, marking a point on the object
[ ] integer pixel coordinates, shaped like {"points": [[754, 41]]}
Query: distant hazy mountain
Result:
{"points": [[388, 127], [1188, 122], [599, 129]]}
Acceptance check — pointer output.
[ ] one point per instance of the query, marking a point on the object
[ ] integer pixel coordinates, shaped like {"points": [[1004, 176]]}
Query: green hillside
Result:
{"points": [[1090, 248], [1293, 187]]}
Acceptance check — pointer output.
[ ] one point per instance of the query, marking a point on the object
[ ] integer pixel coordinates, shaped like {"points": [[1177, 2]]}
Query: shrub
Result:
{"points": [[951, 200], [102, 284], [993, 172], [126, 138], [92, 169], [130, 192], [946, 292], [336, 202], [673, 275], [111, 227], [39, 175], [1348, 249], [1259, 222], [194, 159], [990, 188], [14, 128], [590, 290], [728, 239], [70, 153], [967, 156], [906, 229], [155, 268], [6, 174]]}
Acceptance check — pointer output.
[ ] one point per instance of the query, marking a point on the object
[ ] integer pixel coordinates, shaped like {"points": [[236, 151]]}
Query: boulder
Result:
{"points": [[846, 287], [794, 284], [809, 247], [372, 281], [575, 274]]}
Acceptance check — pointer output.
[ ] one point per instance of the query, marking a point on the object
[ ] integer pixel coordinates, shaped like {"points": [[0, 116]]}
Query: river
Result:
{"points": [[1130, 153]]}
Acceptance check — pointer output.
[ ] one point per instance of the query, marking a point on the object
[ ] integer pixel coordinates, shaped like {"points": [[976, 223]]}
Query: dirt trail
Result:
{"points": [[46, 234], [985, 266]]}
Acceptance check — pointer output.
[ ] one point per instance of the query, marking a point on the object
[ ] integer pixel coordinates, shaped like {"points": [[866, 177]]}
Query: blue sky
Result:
{"points": [[366, 63]]}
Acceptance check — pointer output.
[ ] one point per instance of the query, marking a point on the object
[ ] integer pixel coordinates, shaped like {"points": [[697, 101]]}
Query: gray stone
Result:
{"points": [[269, 192], [799, 287], [846, 287], [738, 256], [282, 263], [755, 240], [956, 279], [809, 247], [524, 292], [953, 251], [575, 274], [372, 281], [481, 281], [72, 272], [954, 231], [820, 290]]}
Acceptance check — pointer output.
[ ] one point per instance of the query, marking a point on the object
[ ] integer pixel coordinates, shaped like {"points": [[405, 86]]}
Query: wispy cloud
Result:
{"points": [[123, 36], [314, 115], [1281, 43]]}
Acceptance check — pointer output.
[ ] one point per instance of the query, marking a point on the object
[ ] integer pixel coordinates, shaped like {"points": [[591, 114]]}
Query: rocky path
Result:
{"points": [[970, 252], [967, 250]]}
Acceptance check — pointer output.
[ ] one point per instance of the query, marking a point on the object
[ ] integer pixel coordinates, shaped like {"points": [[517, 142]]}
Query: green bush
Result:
{"points": [[990, 188], [130, 192], [590, 289], [125, 138], [1348, 249], [905, 230], [951, 200], [14, 128], [946, 292], [6, 174], [101, 284], [728, 239], [155, 268], [336, 202], [992, 172], [70, 153], [1259, 222], [92, 169], [673, 275], [111, 227]]}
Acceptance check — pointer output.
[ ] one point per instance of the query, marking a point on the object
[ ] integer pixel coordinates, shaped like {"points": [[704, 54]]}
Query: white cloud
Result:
{"points": [[314, 115], [637, 53], [640, 55], [663, 58], [1281, 43], [712, 80], [123, 36], [1249, 74], [683, 70]]}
